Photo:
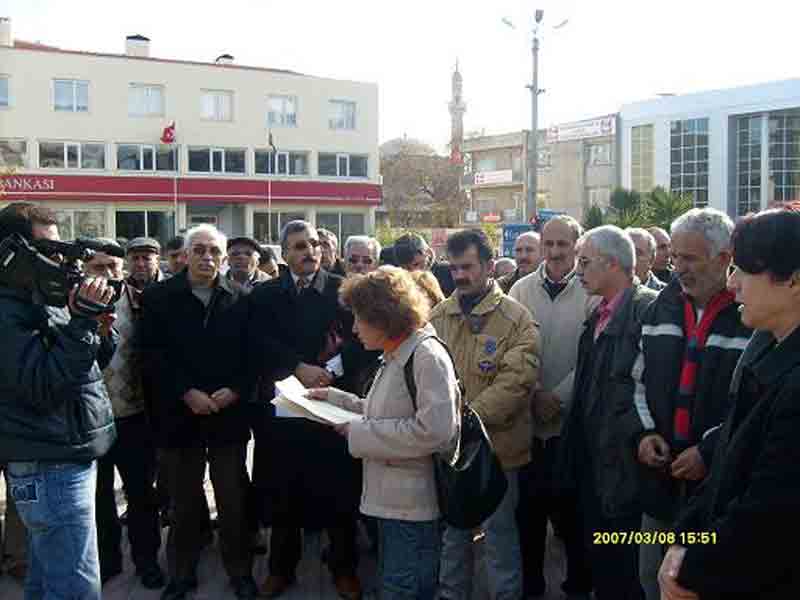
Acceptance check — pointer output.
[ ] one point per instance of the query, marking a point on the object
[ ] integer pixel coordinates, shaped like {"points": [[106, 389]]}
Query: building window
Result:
{"points": [[72, 155], [343, 165], [599, 197], [341, 114], [145, 100], [281, 111], [145, 223], [13, 153], [216, 160], [545, 158], [748, 161], [144, 157], [642, 169], [784, 156], [71, 95], [284, 163], [216, 105], [278, 220], [81, 223], [599, 154], [343, 225], [5, 96], [689, 159]]}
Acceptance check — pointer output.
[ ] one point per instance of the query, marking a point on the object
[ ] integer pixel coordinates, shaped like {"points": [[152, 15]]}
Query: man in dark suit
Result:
{"points": [[303, 469]]}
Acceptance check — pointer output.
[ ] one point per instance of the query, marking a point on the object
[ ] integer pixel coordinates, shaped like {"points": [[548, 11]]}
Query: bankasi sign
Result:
{"points": [[604, 126], [20, 183]]}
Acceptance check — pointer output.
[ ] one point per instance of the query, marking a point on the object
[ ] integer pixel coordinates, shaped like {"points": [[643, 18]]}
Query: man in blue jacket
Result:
{"points": [[55, 419]]}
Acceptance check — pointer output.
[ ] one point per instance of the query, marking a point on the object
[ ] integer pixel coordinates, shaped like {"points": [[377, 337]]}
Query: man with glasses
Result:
{"points": [[193, 331], [361, 253], [303, 469], [243, 258]]}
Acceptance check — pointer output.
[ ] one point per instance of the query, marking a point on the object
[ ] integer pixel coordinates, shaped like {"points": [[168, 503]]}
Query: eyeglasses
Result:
{"points": [[303, 246], [241, 253], [202, 249], [364, 260], [584, 262]]}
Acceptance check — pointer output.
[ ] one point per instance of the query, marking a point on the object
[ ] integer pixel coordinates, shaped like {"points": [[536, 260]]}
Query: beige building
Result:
{"points": [[84, 133], [577, 168]]}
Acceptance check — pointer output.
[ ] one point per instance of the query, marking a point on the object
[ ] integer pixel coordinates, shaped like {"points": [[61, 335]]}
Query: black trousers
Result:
{"points": [[134, 456], [286, 547], [540, 501], [615, 567], [185, 470]]}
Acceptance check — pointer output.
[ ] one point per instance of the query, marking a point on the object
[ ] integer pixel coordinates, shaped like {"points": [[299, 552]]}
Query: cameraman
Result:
{"points": [[55, 419]]}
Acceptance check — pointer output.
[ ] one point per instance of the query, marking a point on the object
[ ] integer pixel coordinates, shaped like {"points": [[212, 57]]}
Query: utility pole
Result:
{"points": [[533, 140]]}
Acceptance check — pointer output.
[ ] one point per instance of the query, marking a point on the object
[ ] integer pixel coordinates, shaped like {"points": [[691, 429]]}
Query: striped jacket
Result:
{"points": [[656, 374]]}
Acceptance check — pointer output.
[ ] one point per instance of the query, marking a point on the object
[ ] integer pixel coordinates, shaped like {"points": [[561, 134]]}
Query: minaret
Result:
{"points": [[457, 109]]}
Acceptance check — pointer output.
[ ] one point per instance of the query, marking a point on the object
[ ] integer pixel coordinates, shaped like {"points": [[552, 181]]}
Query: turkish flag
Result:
{"points": [[168, 135]]}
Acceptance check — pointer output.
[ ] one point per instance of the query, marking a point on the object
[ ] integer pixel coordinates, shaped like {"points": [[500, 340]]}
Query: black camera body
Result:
{"points": [[29, 266]]}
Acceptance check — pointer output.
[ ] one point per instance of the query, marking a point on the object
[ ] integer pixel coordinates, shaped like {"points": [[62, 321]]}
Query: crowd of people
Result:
{"points": [[639, 388]]}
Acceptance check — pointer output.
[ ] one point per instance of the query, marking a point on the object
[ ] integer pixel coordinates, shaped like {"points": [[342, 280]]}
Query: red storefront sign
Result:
{"points": [[191, 190]]}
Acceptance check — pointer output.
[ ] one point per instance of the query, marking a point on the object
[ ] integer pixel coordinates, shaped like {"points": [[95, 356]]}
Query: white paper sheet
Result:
{"points": [[335, 365], [291, 397]]}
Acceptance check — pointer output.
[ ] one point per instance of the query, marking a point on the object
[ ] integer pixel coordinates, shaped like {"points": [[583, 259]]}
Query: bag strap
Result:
{"points": [[408, 370]]}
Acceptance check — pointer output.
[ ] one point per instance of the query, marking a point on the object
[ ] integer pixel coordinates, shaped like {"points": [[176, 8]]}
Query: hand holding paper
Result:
{"points": [[292, 398]]}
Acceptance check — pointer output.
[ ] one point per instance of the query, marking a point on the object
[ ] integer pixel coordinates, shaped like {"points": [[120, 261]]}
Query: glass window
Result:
{"points": [[216, 105], [341, 114], [147, 158], [329, 221], [73, 152], [281, 111], [145, 100], [600, 154], [149, 223], [13, 153], [128, 157], [4, 94], [64, 218], [167, 159], [199, 160], [358, 166], [93, 156], [278, 220], [343, 165], [51, 155], [784, 157], [352, 224], [90, 223], [160, 225], [234, 161], [689, 152], [748, 151], [71, 95], [298, 163], [217, 160], [642, 168], [327, 164]]}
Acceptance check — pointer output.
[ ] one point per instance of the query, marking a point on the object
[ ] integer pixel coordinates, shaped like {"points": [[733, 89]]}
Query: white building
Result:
{"points": [[737, 150], [81, 132]]}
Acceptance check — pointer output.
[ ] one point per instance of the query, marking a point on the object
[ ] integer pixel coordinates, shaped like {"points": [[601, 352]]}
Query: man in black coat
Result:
{"points": [[302, 468], [193, 341]]}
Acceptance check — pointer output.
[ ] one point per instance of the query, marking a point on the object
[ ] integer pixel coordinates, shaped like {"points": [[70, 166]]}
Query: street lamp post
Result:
{"points": [[533, 141]]}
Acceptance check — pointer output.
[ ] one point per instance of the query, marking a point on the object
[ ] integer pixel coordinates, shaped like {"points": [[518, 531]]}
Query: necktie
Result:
{"points": [[302, 283]]}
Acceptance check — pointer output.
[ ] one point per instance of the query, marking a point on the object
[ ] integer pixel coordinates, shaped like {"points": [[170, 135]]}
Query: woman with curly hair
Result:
{"points": [[395, 441]]}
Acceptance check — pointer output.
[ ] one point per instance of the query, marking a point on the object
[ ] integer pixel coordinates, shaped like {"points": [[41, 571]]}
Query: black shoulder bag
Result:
{"points": [[470, 482]]}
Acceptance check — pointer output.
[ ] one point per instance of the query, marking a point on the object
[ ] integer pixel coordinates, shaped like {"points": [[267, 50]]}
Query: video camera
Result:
{"points": [[50, 269]]}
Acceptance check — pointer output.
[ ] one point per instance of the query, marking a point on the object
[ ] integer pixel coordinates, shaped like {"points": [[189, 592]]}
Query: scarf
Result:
{"points": [[696, 336]]}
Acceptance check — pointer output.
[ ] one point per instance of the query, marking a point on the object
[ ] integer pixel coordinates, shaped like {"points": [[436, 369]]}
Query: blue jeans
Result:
{"points": [[501, 552], [408, 559], [56, 504]]}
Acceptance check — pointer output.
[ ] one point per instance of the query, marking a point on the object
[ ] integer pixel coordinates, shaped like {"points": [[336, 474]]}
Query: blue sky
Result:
{"points": [[609, 53]]}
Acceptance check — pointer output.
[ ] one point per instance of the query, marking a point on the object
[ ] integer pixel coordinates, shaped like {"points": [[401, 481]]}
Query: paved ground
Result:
{"points": [[314, 582]]}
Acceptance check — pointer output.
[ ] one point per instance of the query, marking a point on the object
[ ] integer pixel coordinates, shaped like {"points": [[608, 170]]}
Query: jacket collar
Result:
{"points": [[318, 282], [485, 306], [406, 349], [221, 283], [616, 326], [779, 360]]}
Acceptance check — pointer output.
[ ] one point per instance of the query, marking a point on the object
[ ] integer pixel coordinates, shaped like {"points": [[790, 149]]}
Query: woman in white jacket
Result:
{"points": [[396, 442]]}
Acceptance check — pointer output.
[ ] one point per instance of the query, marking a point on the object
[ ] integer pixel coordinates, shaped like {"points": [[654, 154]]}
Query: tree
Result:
{"points": [[593, 217], [626, 209], [664, 206]]}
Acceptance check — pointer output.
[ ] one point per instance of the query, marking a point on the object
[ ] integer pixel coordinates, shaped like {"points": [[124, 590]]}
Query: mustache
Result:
{"points": [[309, 260], [461, 282]]}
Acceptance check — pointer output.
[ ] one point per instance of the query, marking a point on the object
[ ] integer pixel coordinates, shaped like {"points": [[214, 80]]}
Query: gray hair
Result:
{"points": [[571, 222], [373, 245], [612, 242], [505, 261], [714, 225], [643, 234], [207, 229], [295, 227], [530, 234]]}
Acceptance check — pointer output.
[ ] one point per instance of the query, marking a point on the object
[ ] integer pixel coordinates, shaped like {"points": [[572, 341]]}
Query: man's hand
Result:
{"points": [[106, 321], [318, 394], [199, 402], [546, 406], [668, 576], [224, 397], [689, 465], [92, 291], [312, 376], [653, 451]]}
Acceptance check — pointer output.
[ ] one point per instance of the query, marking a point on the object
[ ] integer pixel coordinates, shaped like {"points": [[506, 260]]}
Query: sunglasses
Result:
{"points": [[202, 249], [364, 260], [305, 245]]}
